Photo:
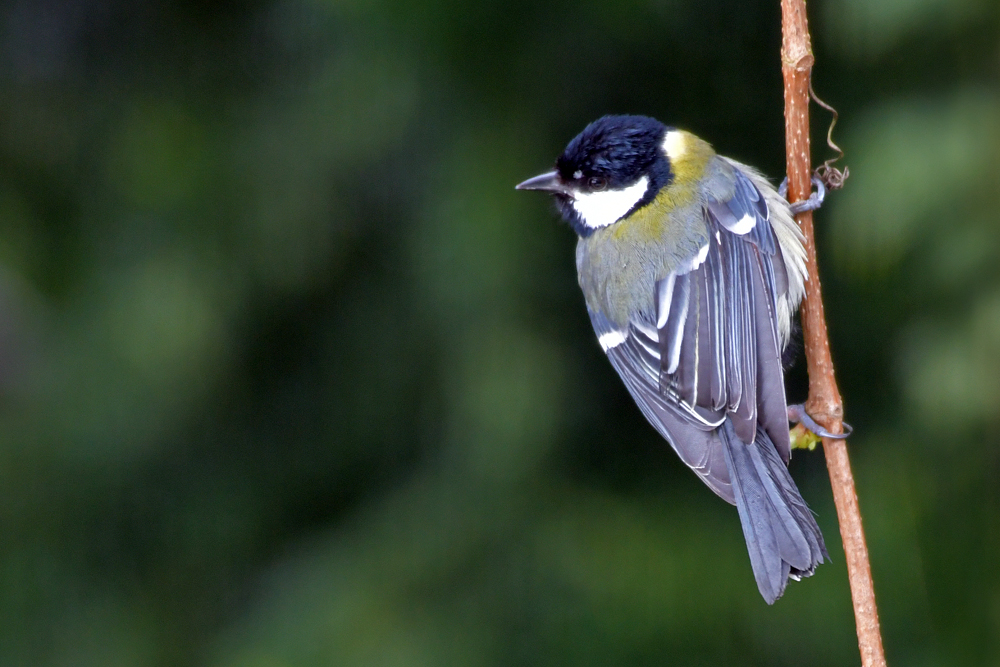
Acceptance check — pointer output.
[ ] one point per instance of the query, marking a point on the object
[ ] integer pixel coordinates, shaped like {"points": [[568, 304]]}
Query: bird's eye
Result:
{"points": [[597, 183]]}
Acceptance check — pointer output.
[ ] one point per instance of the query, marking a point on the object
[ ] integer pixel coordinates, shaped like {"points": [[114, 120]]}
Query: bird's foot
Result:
{"points": [[807, 432], [815, 199]]}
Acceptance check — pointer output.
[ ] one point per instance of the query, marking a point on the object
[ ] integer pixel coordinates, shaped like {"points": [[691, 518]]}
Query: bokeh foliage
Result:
{"points": [[292, 376]]}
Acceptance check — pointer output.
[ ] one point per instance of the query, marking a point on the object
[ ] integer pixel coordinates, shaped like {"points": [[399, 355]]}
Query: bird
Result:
{"points": [[692, 268]]}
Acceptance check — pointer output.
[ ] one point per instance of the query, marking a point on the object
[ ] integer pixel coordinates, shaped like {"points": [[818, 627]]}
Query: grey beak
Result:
{"points": [[548, 181]]}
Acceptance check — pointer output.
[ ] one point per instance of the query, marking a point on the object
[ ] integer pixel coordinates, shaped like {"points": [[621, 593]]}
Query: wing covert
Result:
{"points": [[711, 350]]}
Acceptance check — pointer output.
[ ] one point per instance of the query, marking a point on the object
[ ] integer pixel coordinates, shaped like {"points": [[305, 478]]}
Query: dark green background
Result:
{"points": [[291, 375]]}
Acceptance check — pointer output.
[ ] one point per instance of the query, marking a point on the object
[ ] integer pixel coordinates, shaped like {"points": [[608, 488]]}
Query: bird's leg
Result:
{"points": [[806, 425], [815, 199]]}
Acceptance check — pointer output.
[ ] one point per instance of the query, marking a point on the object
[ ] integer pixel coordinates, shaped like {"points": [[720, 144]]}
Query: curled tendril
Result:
{"points": [[832, 177]]}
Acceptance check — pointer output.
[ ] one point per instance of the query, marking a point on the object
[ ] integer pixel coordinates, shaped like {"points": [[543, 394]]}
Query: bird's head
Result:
{"points": [[615, 166]]}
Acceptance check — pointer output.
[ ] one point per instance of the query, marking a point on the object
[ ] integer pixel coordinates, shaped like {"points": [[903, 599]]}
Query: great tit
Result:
{"points": [[692, 268]]}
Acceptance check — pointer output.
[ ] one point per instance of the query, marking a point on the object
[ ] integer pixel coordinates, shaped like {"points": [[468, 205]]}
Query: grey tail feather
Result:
{"points": [[781, 533]]}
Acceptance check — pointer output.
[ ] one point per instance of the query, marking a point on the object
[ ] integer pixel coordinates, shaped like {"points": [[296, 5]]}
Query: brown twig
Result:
{"points": [[824, 403]]}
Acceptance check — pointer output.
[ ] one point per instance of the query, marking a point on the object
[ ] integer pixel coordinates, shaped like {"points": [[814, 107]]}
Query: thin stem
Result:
{"points": [[824, 404]]}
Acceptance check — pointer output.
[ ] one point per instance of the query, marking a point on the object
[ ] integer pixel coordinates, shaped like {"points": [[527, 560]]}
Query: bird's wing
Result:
{"points": [[713, 351]]}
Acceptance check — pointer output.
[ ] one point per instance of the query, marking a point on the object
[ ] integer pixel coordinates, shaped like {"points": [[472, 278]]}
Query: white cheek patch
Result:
{"points": [[600, 209]]}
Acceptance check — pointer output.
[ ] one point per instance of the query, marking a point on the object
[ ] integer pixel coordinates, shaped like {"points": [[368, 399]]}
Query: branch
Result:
{"points": [[824, 403]]}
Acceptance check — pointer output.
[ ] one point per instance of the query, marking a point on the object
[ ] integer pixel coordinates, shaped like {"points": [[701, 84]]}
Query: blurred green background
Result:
{"points": [[291, 375]]}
